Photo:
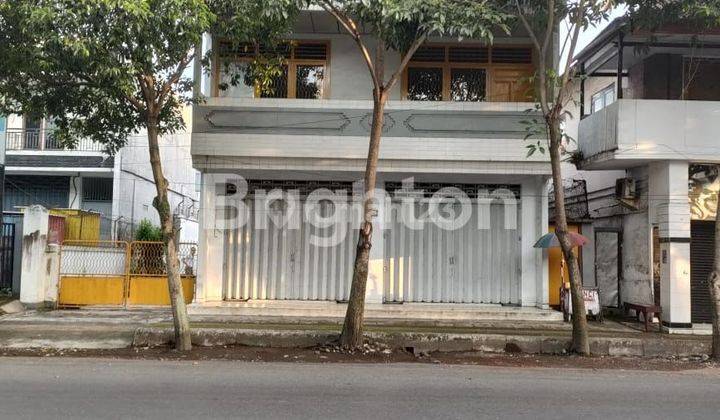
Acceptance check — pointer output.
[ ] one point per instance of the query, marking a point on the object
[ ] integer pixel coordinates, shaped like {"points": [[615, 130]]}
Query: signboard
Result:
{"points": [[591, 296]]}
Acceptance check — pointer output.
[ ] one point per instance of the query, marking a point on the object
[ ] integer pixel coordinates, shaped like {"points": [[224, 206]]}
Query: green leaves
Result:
{"points": [[102, 67], [651, 14], [399, 22], [82, 61]]}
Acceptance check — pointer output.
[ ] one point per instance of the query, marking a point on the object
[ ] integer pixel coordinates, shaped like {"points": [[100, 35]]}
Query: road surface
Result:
{"points": [[36, 388]]}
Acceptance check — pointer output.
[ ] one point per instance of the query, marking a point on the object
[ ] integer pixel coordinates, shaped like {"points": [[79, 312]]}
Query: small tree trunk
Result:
{"points": [[714, 285], [162, 204], [352, 332], [580, 343]]}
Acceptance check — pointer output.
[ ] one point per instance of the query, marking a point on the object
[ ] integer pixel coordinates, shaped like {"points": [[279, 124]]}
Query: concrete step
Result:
{"points": [[409, 311]]}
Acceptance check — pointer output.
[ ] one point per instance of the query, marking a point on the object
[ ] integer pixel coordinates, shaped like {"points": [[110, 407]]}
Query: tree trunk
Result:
{"points": [[714, 285], [170, 241], [352, 332], [580, 343]]}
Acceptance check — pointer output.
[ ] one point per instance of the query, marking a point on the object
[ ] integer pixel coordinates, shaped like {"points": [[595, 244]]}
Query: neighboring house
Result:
{"points": [[41, 171], [455, 120], [647, 140]]}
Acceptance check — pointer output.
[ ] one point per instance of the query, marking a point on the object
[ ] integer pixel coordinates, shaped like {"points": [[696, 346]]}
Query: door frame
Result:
{"points": [[619, 232]]}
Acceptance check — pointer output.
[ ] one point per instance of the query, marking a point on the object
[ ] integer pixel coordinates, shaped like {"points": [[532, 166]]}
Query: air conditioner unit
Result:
{"points": [[625, 192], [625, 189]]}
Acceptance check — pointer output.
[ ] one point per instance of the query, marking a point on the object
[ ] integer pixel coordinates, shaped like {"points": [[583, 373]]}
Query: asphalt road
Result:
{"points": [[36, 388]]}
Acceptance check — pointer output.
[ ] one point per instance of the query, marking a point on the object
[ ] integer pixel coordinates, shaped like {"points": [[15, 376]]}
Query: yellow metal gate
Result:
{"points": [[117, 273]]}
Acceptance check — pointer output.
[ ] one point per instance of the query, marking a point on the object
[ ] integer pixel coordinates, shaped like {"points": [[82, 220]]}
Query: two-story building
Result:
{"points": [[649, 107], [120, 187], [455, 120]]}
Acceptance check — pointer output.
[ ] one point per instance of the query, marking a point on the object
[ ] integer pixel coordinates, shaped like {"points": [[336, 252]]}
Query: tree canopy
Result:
{"points": [[93, 64]]}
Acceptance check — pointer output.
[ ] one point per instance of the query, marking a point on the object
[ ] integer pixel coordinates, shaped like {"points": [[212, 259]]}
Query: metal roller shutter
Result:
{"points": [[281, 263], [702, 248], [463, 265]]}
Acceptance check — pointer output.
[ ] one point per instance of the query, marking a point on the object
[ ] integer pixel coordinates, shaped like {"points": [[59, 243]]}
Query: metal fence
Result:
{"points": [[148, 258], [119, 273], [7, 255]]}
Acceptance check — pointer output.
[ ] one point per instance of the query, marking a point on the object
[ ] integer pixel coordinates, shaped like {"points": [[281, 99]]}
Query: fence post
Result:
{"points": [[33, 278], [128, 262]]}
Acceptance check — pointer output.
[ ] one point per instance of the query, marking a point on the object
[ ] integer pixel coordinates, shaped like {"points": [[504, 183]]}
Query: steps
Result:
{"points": [[333, 312]]}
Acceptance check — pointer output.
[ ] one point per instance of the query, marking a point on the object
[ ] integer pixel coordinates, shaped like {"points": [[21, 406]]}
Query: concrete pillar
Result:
{"points": [[211, 253], [531, 228], [535, 222], [376, 267], [669, 209], [33, 270]]}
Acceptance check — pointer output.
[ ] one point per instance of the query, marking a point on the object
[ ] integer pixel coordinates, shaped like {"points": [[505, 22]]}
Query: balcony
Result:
{"points": [[338, 130], [631, 132], [44, 140]]}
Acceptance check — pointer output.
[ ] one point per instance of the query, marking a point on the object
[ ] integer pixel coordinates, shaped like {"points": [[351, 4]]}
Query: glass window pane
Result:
{"points": [[609, 96], [309, 84], [467, 85], [424, 84], [279, 86], [233, 83]]}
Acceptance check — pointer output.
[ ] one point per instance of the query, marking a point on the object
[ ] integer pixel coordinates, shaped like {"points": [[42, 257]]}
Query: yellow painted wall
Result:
{"points": [[153, 290], [79, 224], [84, 290], [554, 263]]}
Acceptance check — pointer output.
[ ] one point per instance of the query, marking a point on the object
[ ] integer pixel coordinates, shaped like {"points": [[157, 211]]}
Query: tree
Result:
{"points": [[701, 15], [105, 69], [401, 26], [554, 88]]}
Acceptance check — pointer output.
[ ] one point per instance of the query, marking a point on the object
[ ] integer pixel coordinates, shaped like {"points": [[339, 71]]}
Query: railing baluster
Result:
{"points": [[36, 139]]}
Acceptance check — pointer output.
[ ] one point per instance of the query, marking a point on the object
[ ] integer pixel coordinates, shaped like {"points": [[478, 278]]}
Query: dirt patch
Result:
{"points": [[326, 355]]}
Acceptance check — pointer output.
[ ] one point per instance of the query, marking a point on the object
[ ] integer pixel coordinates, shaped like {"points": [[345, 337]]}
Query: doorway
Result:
{"points": [[608, 260]]}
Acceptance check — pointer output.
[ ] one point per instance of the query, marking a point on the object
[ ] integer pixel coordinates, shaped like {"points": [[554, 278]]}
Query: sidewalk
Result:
{"points": [[108, 329]]}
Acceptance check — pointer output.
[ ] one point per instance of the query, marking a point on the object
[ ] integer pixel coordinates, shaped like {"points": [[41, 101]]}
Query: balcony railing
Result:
{"points": [[36, 139], [651, 129]]}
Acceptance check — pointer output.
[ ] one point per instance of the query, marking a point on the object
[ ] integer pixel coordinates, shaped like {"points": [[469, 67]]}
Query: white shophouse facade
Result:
{"points": [[314, 134]]}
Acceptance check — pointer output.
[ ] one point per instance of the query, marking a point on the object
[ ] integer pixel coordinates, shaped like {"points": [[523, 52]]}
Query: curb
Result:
{"points": [[431, 342]]}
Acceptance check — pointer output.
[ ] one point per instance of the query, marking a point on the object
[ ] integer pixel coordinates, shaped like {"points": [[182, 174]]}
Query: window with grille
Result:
{"points": [[304, 73], [97, 189], [425, 84], [468, 73]]}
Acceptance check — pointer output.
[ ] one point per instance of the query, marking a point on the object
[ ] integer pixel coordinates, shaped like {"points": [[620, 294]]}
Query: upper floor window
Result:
{"points": [[469, 74], [603, 98], [302, 73]]}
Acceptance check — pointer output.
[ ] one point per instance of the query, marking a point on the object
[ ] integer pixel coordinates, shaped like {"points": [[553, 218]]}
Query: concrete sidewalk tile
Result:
{"points": [[523, 344], [552, 345], [687, 347], [625, 347], [489, 343], [658, 347], [599, 346]]}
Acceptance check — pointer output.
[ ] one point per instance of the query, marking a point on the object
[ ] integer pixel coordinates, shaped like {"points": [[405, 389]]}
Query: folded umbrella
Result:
{"points": [[550, 240]]}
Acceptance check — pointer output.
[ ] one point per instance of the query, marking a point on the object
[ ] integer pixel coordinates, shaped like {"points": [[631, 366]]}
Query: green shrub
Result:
{"points": [[148, 232]]}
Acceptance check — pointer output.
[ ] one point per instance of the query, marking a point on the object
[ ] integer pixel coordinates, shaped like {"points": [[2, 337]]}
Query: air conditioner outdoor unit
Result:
{"points": [[625, 192]]}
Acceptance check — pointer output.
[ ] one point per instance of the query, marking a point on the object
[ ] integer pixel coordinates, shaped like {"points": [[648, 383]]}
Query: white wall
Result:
{"points": [[134, 189]]}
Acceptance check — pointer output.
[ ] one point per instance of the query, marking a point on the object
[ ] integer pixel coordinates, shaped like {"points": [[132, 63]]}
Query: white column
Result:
{"points": [[529, 213], [543, 223], [668, 207], [376, 271], [211, 252]]}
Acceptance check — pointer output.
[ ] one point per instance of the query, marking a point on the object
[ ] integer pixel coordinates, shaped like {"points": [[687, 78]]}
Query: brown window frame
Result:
{"points": [[292, 64], [447, 66]]}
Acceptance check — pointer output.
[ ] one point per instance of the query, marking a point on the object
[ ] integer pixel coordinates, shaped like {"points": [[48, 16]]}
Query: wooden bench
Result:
{"points": [[648, 311]]}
